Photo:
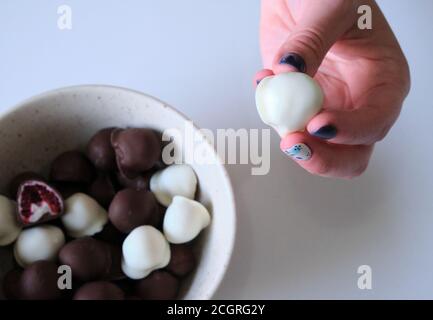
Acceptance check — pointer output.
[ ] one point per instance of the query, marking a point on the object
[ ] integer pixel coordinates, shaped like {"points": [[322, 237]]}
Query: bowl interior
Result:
{"points": [[35, 132]]}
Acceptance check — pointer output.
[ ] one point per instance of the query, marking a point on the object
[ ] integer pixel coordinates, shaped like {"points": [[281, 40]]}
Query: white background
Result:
{"points": [[299, 236]]}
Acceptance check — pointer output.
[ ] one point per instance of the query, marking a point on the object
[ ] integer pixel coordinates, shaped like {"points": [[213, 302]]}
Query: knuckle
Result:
{"points": [[312, 40]]}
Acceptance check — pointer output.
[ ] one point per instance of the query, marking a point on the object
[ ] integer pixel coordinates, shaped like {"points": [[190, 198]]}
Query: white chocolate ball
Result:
{"points": [[184, 219], [288, 101], [175, 180], [38, 243], [83, 216], [145, 249], [9, 227]]}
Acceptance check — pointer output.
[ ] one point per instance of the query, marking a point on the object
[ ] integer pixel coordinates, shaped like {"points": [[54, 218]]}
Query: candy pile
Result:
{"points": [[125, 228]]}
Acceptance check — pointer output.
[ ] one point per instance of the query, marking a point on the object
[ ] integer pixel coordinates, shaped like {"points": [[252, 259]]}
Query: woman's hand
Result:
{"points": [[363, 73]]}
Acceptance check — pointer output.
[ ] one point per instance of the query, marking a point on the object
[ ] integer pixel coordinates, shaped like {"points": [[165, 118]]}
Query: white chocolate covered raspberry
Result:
{"points": [[288, 101], [184, 219]]}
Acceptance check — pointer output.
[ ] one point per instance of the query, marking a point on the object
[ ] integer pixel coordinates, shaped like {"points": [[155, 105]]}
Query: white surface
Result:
{"points": [[299, 236]]}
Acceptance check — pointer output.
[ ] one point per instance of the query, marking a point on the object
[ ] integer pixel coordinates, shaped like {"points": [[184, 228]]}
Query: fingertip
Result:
{"points": [[289, 62], [323, 126], [319, 120], [261, 75], [291, 139], [299, 152], [326, 159], [362, 126], [311, 154], [296, 147], [284, 69]]}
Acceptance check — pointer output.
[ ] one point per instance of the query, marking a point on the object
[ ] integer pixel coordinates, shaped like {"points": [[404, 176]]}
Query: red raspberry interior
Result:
{"points": [[38, 194]]}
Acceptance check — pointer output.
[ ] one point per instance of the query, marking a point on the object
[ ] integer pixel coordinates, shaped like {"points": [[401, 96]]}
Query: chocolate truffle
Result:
{"points": [[160, 164], [11, 284], [138, 183], [100, 152], [175, 180], [110, 234], [137, 150], [132, 208], [159, 285], [184, 220], [91, 259], [83, 216], [116, 272], [19, 179], [127, 285], [72, 166], [99, 290], [38, 243], [102, 190], [39, 282], [68, 189], [38, 202], [182, 260], [161, 212], [144, 250]]}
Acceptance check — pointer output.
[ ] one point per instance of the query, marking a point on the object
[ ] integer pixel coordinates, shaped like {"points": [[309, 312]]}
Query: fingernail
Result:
{"points": [[299, 151], [295, 60], [258, 81], [326, 132]]}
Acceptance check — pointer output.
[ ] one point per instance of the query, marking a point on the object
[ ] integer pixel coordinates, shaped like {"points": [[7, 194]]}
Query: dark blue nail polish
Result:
{"points": [[258, 81], [295, 60], [326, 132]]}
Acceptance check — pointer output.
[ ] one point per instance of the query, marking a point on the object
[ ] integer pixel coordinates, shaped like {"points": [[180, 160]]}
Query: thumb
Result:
{"points": [[319, 24]]}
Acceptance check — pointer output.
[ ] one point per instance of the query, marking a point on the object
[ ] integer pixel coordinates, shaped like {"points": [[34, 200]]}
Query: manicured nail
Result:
{"points": [[295, 60], [258, 81], [299, 151], [326, 132]]}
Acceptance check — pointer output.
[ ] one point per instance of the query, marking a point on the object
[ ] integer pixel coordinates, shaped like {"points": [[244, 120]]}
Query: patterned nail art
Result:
{"points": [[299, 151]]}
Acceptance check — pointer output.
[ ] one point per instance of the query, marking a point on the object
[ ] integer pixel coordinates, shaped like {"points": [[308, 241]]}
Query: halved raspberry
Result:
{"points": [[38, 202]]}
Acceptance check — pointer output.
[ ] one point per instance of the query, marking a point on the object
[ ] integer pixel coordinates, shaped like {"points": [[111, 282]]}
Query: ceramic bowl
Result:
{"points": [[34, 132]]}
